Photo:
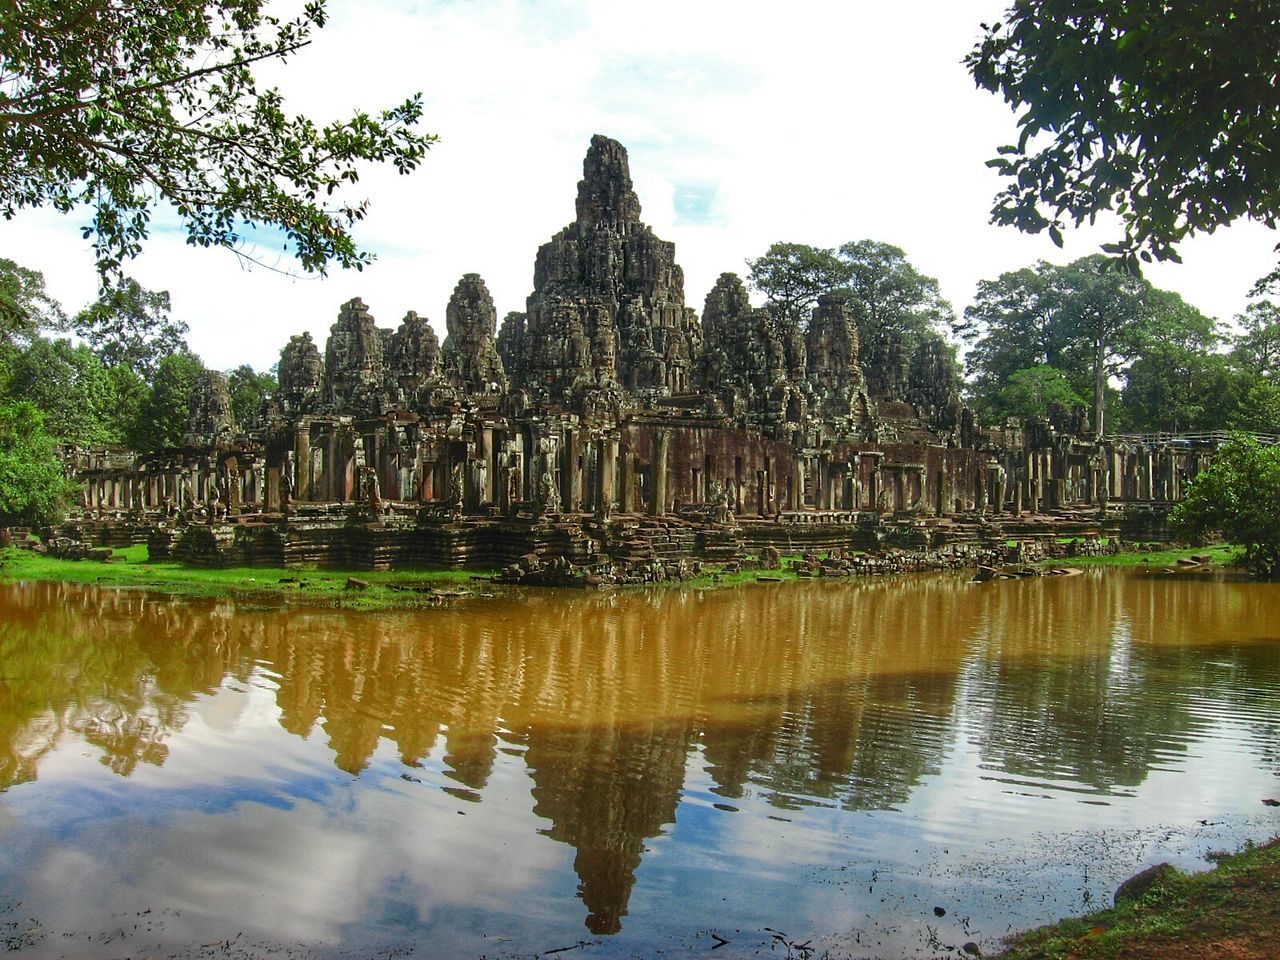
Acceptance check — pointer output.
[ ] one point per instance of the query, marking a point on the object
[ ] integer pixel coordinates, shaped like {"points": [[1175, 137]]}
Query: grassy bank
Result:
{"points": [[400, 589], [1223, 556], [131, 568], [1228, 912]]}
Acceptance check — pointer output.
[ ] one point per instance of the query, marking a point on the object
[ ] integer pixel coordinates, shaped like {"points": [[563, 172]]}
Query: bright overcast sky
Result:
{"points": [[746, 123]]}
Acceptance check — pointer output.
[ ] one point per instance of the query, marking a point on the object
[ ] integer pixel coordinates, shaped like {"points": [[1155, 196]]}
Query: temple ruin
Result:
{"points": [[610, 424]]}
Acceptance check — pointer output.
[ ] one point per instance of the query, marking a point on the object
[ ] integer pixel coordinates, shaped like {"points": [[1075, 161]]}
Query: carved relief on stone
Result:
{"points": [[301, 373], [211, 420], [608, 299], [355, 362], [511, 347], [413, 358], [831, 345], [471, 360]]}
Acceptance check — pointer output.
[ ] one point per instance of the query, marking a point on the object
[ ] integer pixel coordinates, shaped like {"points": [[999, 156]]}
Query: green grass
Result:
{"points": [[1182, 916], [1222, 556], [130, 567]]}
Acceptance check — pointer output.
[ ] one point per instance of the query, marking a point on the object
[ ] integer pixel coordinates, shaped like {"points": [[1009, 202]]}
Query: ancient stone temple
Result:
{"points": [[608, 424], [607, 307]]}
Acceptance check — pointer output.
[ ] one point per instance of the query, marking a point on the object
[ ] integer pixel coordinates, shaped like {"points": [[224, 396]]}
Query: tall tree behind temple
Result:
{"points": [[249, 390], [1179, 381], [1093, 323], [165, 412], [890, 296], [25, 307], [793, 275], [131, 325]]}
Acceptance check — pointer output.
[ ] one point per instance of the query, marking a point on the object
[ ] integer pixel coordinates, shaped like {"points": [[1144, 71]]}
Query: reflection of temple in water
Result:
{"points": [[844, 695]]}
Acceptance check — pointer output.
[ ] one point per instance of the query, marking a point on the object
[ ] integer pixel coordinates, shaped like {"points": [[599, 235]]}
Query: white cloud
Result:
{"points": [[829, 122]]}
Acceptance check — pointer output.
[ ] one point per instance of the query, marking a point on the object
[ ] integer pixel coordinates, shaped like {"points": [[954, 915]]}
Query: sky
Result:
{"points": [[746, 123]]}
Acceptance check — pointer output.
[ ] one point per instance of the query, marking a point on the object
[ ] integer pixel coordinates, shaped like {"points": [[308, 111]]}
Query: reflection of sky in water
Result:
{"points": [[836, 791]]}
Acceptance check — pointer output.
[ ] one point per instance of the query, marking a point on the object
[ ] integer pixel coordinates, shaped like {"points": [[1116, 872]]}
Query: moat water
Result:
{"points": [[798, 769]]}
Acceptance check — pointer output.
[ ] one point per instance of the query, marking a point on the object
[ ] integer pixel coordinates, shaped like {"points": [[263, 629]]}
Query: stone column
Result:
{"points": [[491, 465], [661, 456], [608, 471], [302, 462], [629, 483]]}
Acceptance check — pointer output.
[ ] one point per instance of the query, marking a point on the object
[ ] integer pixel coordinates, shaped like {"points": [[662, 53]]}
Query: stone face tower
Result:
{"points": [[301, 374], [355, 361], [413, 360], [831, 345], [211, 420], [607, 307], [471, 360]]}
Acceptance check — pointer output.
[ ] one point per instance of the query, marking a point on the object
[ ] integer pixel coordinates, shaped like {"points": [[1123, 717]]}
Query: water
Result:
{"points": [[800, 769]]}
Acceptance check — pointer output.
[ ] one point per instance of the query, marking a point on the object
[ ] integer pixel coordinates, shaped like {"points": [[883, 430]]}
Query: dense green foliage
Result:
{"points": [[130, 325], [33, 488], [129, 384], [25, 307], [249, 391], [1093, 324], [78, 396], [112, 106], [166, 409], [1030, 390], [1164, 113], [1238, 496], [887, 294]]}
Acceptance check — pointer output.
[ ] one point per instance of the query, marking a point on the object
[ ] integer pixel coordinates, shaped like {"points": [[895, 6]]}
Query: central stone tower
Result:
{"points": [[607, 308]]}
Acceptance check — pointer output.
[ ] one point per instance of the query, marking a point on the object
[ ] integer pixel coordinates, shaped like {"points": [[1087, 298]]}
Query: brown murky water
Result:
{"points": [[798, 769]]}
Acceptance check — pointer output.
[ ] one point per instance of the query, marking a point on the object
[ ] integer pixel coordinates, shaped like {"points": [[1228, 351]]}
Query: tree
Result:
{"points": [[1105, 315], [164, 414], [793, 275], [114, 105], [249, 390], [889, 295], [1236, 496], [1015, 323], [80, 400], [1175, 386], [1084, 319], [34, 491], [1257, 408], [1029, 392], [1164, 113], [1257, 347], [130, 325], [68, 385], [25, 307]]}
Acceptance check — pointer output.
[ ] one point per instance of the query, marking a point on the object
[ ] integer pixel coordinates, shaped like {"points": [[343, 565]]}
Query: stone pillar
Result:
{"points": [[629, 483], [796, 501], [608, 471], [302, 463], [574, 462], [596, 475], [661, 456], [491, 465]]}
